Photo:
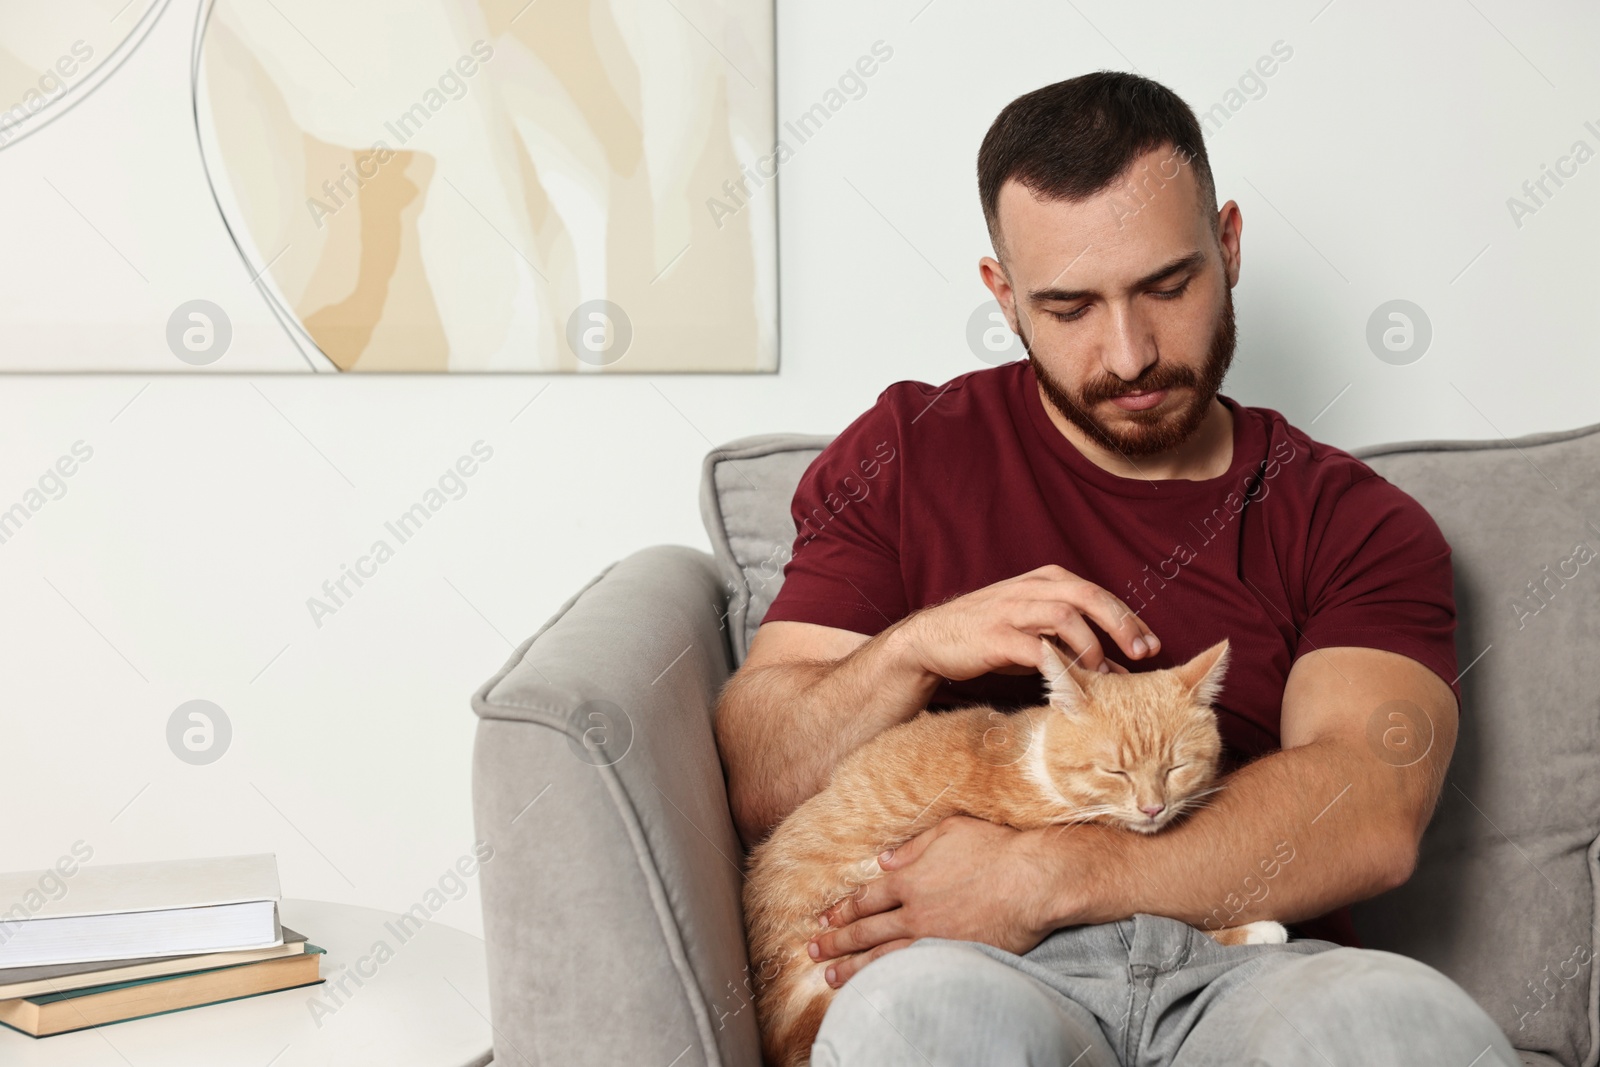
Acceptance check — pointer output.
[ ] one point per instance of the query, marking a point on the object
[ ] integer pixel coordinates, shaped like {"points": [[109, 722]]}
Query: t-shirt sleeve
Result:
{"points": [[1380, 577], [844, 569]]}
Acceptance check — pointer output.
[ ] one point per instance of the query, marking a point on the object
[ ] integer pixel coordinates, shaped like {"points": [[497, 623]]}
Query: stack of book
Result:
{"points": [[122, 941]]}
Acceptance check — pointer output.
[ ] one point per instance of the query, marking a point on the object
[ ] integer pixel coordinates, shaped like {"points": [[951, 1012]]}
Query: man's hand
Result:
{"points": [[997, 628], [965, 879]]}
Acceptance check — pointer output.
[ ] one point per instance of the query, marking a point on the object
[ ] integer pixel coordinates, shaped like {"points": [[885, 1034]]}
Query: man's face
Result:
{"points": [[1123, 302]]}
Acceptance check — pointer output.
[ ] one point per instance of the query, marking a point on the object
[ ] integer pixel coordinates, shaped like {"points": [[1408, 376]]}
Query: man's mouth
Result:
{"points": [[1140, 401]]}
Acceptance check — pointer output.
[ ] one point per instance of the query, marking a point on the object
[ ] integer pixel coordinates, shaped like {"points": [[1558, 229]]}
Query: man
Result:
{"points": [[1103, 492]]}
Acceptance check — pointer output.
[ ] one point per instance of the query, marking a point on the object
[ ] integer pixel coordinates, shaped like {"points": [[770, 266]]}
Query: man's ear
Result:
{"points": [[1202, 676], [1066, 683], [998, 281]]}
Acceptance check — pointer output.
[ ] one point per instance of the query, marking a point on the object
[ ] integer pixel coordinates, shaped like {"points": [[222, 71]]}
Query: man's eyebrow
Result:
{"points": [[1183, 263]]}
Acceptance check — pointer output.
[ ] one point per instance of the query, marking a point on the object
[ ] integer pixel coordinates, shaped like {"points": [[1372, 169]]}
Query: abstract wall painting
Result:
{"points": [[476, 185]]}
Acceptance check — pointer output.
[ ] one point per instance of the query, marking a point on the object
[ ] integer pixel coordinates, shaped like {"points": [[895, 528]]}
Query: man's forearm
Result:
{"points": [[1291, 836], [782, 728]]}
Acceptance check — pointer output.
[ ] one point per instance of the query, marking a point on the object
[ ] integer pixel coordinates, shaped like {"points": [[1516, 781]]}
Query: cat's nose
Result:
{"points": [[1153, 810]]}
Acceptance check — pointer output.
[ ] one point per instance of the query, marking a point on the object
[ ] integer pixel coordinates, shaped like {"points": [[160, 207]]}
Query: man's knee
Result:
{"points": [[903, 981], [944, 1003], [897, 999], [1370, 982], [1379, 1004]]}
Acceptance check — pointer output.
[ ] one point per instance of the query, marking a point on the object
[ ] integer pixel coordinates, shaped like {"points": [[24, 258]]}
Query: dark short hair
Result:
{"points": [[1071, 140]]}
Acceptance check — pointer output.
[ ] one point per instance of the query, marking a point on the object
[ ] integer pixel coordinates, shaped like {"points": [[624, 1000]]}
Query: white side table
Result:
{"points": [[426, 1006]]}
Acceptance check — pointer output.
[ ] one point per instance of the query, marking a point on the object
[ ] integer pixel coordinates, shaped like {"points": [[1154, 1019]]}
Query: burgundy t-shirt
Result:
{"points": [[940, 490]]}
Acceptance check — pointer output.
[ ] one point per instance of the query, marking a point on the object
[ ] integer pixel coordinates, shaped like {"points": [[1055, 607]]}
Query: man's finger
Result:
{"points": [[1117, 619], [859, 936], [895, 858], [874, 897], [841, 972], [1079, 644], [1098, 603], [1104, 608], [1071, 631], [1053, 572]]}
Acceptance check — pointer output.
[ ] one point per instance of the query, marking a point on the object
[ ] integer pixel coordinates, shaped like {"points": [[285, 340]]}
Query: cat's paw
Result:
{"points": [[1265, 932]]}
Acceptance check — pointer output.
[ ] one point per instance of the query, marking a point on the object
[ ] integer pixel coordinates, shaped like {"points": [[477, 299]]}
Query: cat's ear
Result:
{"points": [[1064, 690], [1201, 677]]}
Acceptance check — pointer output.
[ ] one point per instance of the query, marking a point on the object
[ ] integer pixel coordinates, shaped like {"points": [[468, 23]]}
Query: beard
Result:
{"points": [[1154, 431]]}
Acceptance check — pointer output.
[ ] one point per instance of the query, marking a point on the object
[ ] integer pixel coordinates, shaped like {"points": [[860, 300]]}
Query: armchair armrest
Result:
{"points": [[611, 902]]}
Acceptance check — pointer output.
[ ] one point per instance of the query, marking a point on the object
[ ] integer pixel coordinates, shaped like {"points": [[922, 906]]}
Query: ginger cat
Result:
{"points": [[1133, 750]]}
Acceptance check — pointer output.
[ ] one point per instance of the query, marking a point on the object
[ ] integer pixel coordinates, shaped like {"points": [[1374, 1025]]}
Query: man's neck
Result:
{"points": [[1208, 453]]}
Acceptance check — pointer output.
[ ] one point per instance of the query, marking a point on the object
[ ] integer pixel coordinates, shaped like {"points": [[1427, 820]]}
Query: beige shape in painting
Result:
{"points": [[572, 158], [387, 321]]}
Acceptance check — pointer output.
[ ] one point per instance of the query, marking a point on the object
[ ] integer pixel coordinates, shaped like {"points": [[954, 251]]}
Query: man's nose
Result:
{"points": [[1129, 350]]}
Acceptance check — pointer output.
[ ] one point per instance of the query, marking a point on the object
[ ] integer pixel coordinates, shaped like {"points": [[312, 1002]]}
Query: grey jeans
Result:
{"points": [[1153, 992]]}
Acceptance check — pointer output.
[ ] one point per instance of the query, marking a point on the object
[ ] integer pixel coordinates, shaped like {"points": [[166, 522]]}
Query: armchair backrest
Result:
{"points": [[745, 490]]}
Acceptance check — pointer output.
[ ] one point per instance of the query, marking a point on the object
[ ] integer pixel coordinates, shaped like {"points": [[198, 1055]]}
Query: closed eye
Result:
{"points": [[1077, 313], [1178, 767], [1108, 770]]}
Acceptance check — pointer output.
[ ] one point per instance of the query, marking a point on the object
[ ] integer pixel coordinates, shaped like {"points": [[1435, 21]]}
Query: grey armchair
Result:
{"points": [[611, 906]]}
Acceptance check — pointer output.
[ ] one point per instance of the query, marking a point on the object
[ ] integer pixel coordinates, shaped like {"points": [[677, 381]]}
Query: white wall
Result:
{"points": [[1376, 166]]}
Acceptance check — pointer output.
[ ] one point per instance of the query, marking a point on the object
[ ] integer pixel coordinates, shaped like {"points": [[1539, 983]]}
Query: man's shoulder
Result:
{"points": [[916, 416], [906, 401], [943, 425], [1314, 462], [1324, 475]]}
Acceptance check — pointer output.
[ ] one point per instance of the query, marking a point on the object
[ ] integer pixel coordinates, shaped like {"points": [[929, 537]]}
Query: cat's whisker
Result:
{"points": [[1082, 815]]}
